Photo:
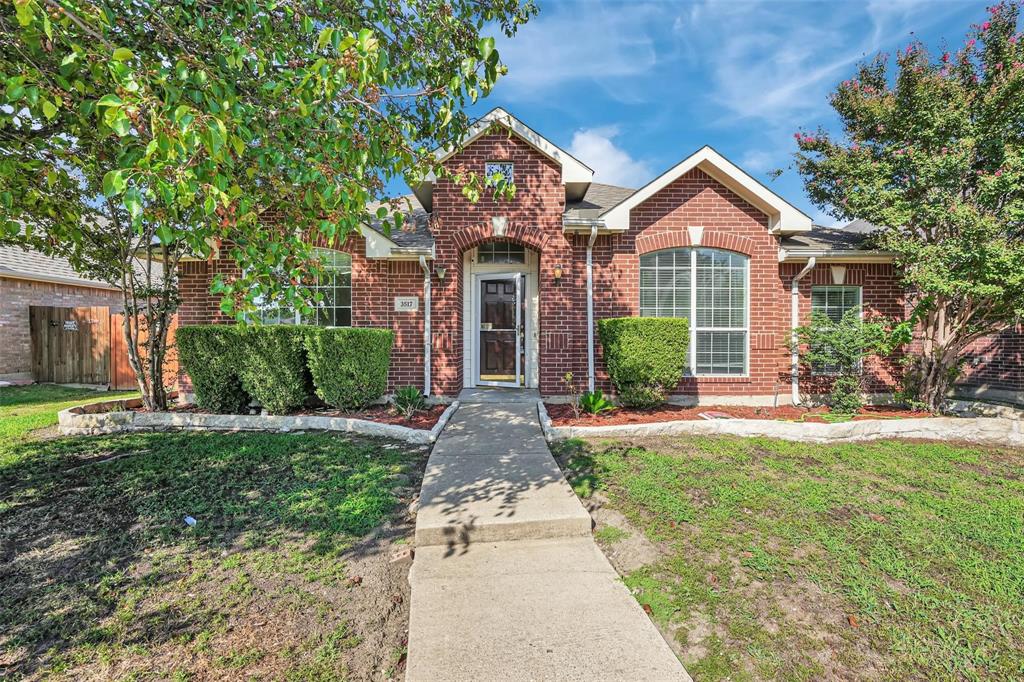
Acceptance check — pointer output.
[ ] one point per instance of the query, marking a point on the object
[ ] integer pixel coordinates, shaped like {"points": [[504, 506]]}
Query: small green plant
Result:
{"points": [[574, 394], [594, 402], [838, 348], [408, 401], [645, 356]]}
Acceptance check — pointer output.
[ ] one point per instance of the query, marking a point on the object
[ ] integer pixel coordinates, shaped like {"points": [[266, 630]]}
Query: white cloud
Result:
{"points": [[776, 62], [612, 165], [758, 161], [578, 42]]}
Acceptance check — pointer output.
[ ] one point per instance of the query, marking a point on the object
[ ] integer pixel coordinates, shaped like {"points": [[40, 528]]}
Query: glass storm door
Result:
{"points": [[501, 330]]}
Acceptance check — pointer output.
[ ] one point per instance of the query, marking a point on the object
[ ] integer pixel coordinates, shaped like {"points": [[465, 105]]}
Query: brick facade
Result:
{"points": [[16, 295], [534, 219]]}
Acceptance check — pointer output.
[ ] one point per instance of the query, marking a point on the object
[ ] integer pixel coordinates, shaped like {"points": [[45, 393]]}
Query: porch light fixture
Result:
{"points": [[557, 272], [440, 272]]}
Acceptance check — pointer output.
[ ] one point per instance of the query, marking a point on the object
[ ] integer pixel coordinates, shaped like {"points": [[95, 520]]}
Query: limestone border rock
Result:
{"points": [[117, 416], [980, 430]]}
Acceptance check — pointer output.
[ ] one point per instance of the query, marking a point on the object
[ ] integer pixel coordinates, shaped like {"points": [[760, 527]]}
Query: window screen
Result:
{"points": [[334, 284]]}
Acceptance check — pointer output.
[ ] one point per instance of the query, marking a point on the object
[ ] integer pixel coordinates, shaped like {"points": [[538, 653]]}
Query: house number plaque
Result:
{"points": [[407, 304]]}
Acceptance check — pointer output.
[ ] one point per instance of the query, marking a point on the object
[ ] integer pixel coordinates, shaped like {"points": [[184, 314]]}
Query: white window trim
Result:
{"points": [[691, 370], [510, 164]]}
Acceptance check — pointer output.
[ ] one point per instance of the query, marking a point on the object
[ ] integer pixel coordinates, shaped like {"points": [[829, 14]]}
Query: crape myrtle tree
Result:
{"points": [[135, 132], [932, 151]]}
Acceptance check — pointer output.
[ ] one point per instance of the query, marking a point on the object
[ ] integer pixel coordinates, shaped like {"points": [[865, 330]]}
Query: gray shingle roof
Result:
{"points": [[22, 263], [598, 199], [415, 233], [26, 264], [851, 237]]}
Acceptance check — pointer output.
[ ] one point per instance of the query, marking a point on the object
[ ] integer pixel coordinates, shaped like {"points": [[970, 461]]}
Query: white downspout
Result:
{"points": [[795, 359], [590, 308], [426, 325]]}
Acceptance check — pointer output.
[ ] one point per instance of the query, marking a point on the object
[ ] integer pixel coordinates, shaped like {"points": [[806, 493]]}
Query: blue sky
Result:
{"points": [[633, 87]]}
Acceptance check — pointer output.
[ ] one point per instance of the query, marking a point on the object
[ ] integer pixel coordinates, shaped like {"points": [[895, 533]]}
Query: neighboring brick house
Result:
{"points": [[28, 278], [507, 293]]}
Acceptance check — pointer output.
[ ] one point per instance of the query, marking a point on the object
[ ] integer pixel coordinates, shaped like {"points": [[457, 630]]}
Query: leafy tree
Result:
{"points": [[247, 125], [934, 154], [839, 347]]}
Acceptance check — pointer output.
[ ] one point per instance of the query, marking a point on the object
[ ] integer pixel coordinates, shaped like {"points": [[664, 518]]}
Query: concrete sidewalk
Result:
{"points": [[507, 583]]}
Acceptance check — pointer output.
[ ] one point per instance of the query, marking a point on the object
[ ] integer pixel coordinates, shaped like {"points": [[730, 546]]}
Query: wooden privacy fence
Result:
{"points": [[86, 346]]}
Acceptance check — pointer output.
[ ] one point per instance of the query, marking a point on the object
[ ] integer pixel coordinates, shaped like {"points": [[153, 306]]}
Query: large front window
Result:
{"points": [[708, 287], [334, 284]]}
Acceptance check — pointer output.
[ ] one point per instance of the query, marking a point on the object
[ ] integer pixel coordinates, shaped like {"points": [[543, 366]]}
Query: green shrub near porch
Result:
{"points": [[273, 366], [211, 355], [349, 365], [645, 356]]}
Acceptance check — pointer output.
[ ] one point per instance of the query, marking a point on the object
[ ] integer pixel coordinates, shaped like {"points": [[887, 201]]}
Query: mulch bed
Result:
{"points": [[382, 414], [562, 414]]}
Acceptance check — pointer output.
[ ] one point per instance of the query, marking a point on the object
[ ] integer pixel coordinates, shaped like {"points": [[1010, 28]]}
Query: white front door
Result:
{"points": [[501, 357]]}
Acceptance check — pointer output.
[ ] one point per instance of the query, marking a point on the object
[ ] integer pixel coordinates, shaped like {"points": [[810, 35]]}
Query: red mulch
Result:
{"points": [[383, 414], [562, 415]]}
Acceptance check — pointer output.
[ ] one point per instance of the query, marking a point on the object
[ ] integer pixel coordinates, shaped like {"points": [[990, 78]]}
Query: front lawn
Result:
{"points": [[24, 409], [287, 572], [765, 559]]}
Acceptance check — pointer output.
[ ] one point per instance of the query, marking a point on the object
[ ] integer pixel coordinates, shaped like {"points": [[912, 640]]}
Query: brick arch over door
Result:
{"points": [[517, 233]]}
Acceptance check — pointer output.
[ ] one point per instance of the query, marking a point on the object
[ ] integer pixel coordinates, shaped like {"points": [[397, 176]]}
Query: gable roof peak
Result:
{"points": [[576, 175], [783, 217]]}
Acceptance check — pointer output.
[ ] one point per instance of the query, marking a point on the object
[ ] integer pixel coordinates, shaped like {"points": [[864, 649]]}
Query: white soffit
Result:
{"points": [[782, 216]]}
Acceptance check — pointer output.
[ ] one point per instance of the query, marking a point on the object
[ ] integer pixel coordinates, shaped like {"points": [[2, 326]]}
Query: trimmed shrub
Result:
{"points": [[349, 365], [211, 356], [645, 356], [273, 367]]}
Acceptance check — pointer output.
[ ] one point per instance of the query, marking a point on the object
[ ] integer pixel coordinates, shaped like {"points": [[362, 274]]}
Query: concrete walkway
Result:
{"points": [[507, 583]]}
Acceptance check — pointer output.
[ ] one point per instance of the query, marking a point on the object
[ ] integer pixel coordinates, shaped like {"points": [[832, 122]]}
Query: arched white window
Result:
{"points": [[711, 289], [334, 284]]}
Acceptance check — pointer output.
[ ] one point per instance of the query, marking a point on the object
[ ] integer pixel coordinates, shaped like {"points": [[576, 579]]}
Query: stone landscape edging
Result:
{"points": [[94, 419], [980, 430]]}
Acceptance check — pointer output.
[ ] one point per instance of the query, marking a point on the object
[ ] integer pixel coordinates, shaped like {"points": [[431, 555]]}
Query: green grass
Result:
{"points": [[101, 577], [24, 409], [886, 560], [609, 535]]}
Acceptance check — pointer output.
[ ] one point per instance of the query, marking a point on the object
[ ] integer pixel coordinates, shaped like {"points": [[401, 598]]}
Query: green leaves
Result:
{"points": [[114, 182], [123, 54], [932, 155], [226, 123]]}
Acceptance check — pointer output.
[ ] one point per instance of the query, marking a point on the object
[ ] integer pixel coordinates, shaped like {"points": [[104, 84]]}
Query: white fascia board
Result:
{"points": [[573, 170], [835, 256], [782, 216]]}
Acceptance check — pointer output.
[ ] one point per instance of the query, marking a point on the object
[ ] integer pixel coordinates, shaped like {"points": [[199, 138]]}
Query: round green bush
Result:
{"points": [[645, 356], [349, 365]]}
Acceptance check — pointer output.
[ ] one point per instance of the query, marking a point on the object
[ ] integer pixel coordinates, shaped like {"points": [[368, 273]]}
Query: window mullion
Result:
{"points": [[693, 312]]}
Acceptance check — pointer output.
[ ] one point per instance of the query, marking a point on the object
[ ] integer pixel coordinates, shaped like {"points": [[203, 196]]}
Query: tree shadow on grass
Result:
{"points": [[89, 537]]}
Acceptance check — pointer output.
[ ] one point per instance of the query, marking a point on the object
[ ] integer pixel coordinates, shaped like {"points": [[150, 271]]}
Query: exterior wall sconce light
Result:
{"points": [[557, 273], [440, 272]]}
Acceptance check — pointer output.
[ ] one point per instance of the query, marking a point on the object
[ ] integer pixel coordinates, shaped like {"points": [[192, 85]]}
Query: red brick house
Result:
{"points": [[507, 293]]}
